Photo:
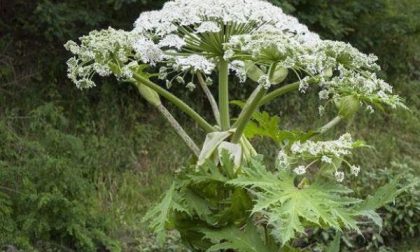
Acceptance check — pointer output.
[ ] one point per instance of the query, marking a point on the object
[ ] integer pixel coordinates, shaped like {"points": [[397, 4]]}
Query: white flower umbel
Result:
{"points": [[337, 148], [208, 26], [207, 15], [355, 170], [99, 52], [172, 40], [194, 35], [282, 159], [194, 63], [300, 170], [339, 176], [148, 51]]}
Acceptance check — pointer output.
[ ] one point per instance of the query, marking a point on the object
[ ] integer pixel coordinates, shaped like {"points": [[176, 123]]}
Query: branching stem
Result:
{"points": [[179, 130], [279, 92], [210, 97], [176, 101], [246, 114], [329, 125]]}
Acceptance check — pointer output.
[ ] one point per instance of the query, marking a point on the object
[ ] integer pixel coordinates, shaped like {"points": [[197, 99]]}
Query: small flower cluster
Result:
{"points": [[338, 148], [97, 53], [323, 152]]}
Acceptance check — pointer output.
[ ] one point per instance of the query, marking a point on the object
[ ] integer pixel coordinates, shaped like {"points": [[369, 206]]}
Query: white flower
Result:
{"points": [[208, 26], [282, 159], [370, 109], [239, 68], [148, 51], [195, 63], [190, 86], [338, 148], [172, 40], [300, 170], [303, 86], [339, 176], [326, 159], [198, 13], [355, 170], [264, 81], [228, 54], [323, 94]]}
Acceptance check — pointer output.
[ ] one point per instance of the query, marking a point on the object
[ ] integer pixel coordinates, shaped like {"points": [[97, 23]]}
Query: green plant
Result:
{"points": [[228, 196]]}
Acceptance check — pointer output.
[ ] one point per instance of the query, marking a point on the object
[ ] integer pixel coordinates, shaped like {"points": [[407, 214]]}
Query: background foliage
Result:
{"points": [[78, 169]]}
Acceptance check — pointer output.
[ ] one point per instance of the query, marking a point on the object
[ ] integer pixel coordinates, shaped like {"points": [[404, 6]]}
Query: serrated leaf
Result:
{"points": [[287, 207], [334, 246], [247, 240], [158, 216]]}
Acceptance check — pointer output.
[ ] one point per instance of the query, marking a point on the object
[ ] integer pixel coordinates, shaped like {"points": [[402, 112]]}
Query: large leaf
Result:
{"points": [[158, 216], [288, 208], [247, 240]]}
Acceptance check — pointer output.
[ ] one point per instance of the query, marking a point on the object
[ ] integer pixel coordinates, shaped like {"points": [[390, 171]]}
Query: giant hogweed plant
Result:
{"points": [[229, 199]]}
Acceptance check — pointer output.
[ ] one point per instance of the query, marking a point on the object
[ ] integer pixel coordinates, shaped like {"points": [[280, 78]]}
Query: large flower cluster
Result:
{"points": [[189, 36], [302, 156], [211, 15], [338, 68]]}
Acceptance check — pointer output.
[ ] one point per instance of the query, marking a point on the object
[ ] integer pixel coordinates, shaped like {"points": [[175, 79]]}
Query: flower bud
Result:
{"points": [[149, 94], [279, 74], [347, 105], [252, 71]]}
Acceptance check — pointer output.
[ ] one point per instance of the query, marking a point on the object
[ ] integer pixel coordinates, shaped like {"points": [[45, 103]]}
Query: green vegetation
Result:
{"points": [[79, 169]]}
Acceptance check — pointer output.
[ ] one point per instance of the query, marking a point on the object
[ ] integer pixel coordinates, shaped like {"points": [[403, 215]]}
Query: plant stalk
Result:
{"points": [[224, 94], [176, 101], [179, 130], [279, 92], [246, 114], [210, 97], [329, 125]]}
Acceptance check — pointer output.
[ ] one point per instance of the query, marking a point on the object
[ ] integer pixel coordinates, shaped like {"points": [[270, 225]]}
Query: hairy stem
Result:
{"points": [[279, 92], [176, 101], [224, 94], [329, 125], [179, 130], [210, 97]]}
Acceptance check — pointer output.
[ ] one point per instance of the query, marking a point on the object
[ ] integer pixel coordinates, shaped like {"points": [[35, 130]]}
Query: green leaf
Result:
{"points": [[384, 195], [158, 216], [334, 246], [197, 204], [247, 240], [289, 208]]}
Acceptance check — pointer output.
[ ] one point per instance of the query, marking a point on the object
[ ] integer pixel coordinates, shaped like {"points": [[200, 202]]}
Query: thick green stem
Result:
{"points": [[210, 97], [251, 105], [176, 101], [179, 130], [224, 94], [279, 92], [329, 125], [246, 114]]}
